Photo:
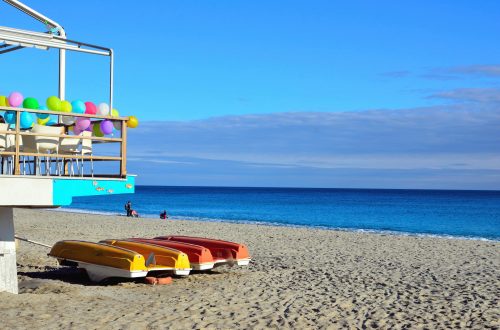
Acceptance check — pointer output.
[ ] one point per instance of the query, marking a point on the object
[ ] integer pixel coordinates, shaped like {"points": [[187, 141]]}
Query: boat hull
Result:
{"points": [[200, 257], [100, 260], [223, 252], [158, 258]]}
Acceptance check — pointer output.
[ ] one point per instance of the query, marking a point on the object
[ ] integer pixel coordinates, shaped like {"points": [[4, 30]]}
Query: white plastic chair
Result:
{"points": [[86, 149], [70, 146], [47, 144], [4, 160], [8, 143]]}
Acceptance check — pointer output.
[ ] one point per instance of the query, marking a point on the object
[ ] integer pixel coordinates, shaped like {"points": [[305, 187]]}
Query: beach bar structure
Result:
{"points": [[37, 164]]}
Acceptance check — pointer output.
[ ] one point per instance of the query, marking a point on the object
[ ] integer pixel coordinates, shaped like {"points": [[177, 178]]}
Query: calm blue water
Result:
{"points": [[474, 214]]}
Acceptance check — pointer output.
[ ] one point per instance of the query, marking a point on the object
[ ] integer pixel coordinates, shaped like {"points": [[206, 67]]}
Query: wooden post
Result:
{"points": [[8, 267], [123, 150], [66, 161], [17, 168]]}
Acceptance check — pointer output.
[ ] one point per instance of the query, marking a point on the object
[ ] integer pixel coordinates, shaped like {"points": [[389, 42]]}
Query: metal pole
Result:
{"points": [[36, 15], [111, 74], [62, 78]]}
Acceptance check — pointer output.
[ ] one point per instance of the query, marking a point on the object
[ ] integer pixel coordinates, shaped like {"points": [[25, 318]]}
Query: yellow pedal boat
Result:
{"points": [[100, 260], [157, 257]]}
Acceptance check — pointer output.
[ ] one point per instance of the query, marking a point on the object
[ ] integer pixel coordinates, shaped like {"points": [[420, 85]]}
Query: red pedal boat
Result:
{"points": [[223, 252]]}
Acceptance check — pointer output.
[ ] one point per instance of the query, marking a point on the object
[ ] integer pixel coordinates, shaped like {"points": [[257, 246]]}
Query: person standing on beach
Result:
{"points": [[128, 208]]}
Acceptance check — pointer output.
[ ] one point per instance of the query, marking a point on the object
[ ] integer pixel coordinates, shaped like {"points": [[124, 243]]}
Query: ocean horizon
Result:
{"points": [[467, 214]]}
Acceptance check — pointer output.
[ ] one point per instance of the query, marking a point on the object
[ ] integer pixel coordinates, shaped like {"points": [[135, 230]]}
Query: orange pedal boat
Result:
{"points": [[223, 252], [158, 258], [200, 257]]}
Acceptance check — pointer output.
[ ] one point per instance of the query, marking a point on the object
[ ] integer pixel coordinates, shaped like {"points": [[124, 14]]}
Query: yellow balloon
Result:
{"points": [[42, 121], [66, 106], [4, 101], [132, 122], [115, 113], [54, 103]]}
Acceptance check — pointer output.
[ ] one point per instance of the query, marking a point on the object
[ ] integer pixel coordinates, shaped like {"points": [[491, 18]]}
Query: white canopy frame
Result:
{"points": [[15, 39]]}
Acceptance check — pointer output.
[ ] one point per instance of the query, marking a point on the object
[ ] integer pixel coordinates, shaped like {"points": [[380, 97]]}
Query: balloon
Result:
{"points": [[68, 120], [90, 108], [30, 103], [97, 130], [90, 128], [66, 106], [26, 120], [118, 125], [132, 122], [106, 127], [10, 117], [4, 101], [40, 121], [54, 103], [15, 99], [76, 130], [42, 115], [51, 122], [115, 113], [78, 106], [103, 109], [82, 123]]}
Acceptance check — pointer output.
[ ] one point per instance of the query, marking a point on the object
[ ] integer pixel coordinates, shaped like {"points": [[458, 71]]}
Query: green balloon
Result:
{"points": [[54, 103], [30, 103], [97, 130]]}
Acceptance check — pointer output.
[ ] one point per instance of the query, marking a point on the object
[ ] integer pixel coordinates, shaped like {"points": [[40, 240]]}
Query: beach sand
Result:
{"points": [[299, 278]]}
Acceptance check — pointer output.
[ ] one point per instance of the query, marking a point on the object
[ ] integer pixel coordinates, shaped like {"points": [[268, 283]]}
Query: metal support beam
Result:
{"points": [[62, 74], [8, 266], [11, 49]]}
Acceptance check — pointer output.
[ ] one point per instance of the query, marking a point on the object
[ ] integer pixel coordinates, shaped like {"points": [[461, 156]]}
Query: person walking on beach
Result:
{"points": [[164, 215], [128, 208]]}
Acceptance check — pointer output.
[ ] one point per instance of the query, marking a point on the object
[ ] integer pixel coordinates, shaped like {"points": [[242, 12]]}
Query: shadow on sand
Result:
{"points": [[79, 276]]}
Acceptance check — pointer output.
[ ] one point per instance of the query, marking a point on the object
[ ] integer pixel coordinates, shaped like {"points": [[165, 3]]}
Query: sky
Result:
{"points": [[356, 94]]}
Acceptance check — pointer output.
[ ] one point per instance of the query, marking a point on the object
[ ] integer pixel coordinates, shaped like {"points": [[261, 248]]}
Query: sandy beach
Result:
{"points": [[299, 278]]}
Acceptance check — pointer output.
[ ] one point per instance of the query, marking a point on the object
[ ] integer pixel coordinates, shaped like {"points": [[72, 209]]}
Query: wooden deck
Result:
{"points": [[17, 152]]}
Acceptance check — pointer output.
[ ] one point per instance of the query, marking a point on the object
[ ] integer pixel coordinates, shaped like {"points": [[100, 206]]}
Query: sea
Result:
{"points": [[444, 213]]}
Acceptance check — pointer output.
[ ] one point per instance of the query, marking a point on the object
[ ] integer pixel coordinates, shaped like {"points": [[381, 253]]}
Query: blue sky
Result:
{"points": [[385, 94]]}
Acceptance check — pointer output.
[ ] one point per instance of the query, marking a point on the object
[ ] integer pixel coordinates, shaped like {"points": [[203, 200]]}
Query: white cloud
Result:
{"points": [[427, 138]]}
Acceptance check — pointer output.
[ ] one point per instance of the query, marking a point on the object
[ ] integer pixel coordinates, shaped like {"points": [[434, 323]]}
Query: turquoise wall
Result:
{"points": [[65, 189]]}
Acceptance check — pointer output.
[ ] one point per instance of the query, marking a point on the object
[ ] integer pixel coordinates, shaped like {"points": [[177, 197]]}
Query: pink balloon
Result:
{"points": [[90, 128], [15, 99], [90, 108], [82, 123], [106, 127], [76, 130]]}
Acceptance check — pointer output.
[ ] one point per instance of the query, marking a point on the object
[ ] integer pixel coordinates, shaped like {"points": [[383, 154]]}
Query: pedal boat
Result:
{"points": [[200, 257], [100, 260], [158, 258], [224, 252]]}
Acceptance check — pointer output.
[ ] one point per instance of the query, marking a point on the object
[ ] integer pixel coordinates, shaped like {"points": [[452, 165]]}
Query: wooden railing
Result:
{"points": [[17, 131]]}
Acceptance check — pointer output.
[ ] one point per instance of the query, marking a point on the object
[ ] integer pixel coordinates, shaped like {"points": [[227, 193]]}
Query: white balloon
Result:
{"points": [[68, 120], [103, 109]]}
